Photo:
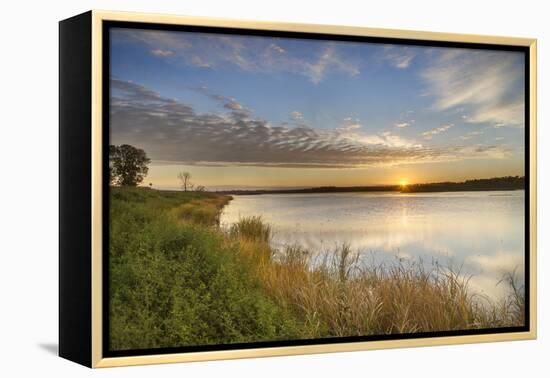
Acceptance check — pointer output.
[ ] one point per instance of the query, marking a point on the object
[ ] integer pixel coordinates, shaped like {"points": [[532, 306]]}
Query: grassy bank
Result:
{"points": [[177, 279]]}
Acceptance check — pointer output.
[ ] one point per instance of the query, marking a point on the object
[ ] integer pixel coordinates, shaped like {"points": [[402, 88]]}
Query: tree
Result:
{"points": [[185, 178], [127, 165]]}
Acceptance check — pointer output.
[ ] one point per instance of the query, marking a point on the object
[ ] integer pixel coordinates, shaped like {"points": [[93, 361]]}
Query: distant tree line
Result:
{"points": [[495, 183]]}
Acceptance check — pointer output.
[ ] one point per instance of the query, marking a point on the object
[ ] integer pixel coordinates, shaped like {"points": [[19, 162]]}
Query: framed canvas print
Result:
{"points": [[235, 189]]}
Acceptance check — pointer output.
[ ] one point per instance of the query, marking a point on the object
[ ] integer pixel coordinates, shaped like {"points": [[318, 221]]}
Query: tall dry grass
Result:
{"points": [[338, 295], [204, 210]]}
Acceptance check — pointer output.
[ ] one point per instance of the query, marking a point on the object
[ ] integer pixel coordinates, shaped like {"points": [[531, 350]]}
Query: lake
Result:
{"points": [[482, 233]]}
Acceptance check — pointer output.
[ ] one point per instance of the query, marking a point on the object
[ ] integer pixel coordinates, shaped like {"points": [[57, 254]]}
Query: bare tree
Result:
{"points": [[200, 188], [185, 179]]}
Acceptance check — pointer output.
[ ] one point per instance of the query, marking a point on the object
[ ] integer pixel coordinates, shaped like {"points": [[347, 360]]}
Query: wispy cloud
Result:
{"points": [[277, 48], [471, 134], [251, 54], [160, 52], [296, 115], [438, 130], [489, 85], [155, 40], [349, 124], [172, 131], [405, 120], [399, 56], [329, 59]]}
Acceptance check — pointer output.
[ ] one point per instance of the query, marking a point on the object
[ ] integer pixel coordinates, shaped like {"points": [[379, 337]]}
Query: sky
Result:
{"points": [[242, 111]]}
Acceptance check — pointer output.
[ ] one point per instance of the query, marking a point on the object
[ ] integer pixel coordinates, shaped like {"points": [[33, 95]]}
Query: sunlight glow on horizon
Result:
{"points": [[336, 113]]}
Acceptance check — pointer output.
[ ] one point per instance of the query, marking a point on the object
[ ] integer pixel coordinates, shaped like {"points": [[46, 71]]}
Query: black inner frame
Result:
{"points": [[107, 25]]}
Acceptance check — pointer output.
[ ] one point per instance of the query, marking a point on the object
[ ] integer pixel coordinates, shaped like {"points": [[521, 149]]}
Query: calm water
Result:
{"points": [[480, 232]]}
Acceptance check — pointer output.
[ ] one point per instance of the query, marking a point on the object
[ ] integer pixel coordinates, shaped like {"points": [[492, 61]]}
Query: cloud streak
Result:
{"points": [[402, 125], [172, 131], [247, 53], [438, 130], [398, 56], [488, 85], [296, 115], [471, 134]]}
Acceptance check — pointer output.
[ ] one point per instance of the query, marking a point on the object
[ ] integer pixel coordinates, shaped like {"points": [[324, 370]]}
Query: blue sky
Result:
{"points": [[239, 111]]}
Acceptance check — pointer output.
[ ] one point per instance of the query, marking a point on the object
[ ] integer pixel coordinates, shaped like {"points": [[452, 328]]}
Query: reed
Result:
{"points": [[336, 294]]}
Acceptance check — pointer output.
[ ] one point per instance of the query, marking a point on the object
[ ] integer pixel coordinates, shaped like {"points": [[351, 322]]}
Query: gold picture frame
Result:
{"points": [[90, 328]]}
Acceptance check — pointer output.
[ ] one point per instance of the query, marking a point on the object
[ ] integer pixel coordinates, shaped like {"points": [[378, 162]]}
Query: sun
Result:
{"points": [[403, 182]]}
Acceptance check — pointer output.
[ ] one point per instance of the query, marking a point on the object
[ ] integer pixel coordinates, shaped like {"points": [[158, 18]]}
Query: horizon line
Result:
{"points": [[225, 188]]}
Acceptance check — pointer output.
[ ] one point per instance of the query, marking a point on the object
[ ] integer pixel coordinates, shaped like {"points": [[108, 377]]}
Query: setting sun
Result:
{"points": [[403, 182]]}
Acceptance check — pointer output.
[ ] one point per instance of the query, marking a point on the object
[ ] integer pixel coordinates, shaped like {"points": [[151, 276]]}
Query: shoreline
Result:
{"points": [[258, 193], [508, 183]]}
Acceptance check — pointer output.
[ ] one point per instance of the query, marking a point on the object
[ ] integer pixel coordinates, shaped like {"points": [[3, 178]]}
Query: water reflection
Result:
{"points": [[480, 232]]}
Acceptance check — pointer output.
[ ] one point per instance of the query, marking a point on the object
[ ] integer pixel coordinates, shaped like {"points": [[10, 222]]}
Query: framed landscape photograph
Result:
{"points": [[235, 189]]}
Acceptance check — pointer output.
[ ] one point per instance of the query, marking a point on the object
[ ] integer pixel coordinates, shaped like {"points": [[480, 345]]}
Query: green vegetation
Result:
{"points": [[177, 279], [128, 165]]}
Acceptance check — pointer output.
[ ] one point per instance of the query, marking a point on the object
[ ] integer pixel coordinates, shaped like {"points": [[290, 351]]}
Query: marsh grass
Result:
{"points": [[176, 278], [205, 210], [514, 303], [336, 294], [251, 228]]}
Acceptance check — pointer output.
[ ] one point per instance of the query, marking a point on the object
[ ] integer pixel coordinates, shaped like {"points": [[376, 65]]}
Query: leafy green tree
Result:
{"points": [[127, 165]]}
